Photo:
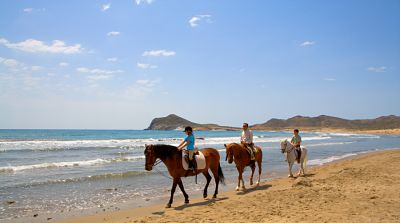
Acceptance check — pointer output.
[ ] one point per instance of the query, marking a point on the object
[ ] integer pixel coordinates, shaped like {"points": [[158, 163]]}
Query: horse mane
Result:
{"points": [[164, 151]]}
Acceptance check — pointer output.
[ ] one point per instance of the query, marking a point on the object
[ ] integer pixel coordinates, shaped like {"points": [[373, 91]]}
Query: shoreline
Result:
{"points": [[317, 182], [394, 132]]}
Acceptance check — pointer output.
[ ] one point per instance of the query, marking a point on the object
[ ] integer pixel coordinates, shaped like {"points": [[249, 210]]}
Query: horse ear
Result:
{"points": [[225, 145]]}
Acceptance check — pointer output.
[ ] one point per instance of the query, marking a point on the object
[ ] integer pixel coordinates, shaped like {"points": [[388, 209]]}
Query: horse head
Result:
{"points": [[150, 157], [229, 153], [284, 145]]}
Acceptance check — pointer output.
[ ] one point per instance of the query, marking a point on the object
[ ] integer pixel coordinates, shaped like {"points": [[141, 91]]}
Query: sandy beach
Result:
{"points": [[348, 131], [363, 189]]}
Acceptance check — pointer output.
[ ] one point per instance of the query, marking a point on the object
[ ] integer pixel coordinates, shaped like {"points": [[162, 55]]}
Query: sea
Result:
{"points": [[49, 173]]}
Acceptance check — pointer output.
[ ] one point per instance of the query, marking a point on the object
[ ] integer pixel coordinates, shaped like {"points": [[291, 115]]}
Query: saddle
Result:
{"points": [[250, 151], [198, 158]]}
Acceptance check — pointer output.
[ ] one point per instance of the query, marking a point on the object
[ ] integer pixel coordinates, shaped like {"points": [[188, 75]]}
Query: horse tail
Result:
{"points": [[221, 174]]}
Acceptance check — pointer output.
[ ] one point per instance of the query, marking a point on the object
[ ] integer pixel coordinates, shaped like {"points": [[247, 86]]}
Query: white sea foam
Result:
{"points": [[355, 135], [329, 144], [128, 143], [81, 163], [329, 159]]}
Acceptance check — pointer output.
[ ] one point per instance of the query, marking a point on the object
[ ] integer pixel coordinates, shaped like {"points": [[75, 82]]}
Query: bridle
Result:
{"points": [[228, 154], [156, 162], [285, 149], [150, 152]]}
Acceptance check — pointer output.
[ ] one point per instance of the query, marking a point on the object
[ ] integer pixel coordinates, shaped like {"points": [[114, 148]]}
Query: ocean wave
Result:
{"points": [[82, 163], [328, 144], [90, 178], [127, 144], [329, 159], [355, 135]]}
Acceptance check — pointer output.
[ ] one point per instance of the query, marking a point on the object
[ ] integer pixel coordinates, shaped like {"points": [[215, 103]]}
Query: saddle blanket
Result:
{"points": [[200, 161]]}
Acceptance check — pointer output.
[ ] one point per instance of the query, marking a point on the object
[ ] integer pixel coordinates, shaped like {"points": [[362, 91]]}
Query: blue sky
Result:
{"points": [[118, 64]]}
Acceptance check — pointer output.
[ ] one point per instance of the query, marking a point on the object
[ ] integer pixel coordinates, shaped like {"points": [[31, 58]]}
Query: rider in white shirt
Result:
{"points": [[246, 140]]}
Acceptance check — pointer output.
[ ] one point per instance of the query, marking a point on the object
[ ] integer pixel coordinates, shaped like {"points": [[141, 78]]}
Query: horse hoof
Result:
{"points": [[290, 176], [168, 206], [204, 196], [237, 188], [187, 201], [214, 196]]}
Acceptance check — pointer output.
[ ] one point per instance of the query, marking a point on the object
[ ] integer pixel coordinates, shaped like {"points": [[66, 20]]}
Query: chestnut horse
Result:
{"points": [[236, 152], [172, 158]]}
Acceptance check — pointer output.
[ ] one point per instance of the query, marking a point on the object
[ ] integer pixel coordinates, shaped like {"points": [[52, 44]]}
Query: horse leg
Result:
{"points": [[214, 170], [290, 168], [180, 184], [241, 178], [259, 172], [253, 167], [240, 171], [208, 177], [176, 180]]}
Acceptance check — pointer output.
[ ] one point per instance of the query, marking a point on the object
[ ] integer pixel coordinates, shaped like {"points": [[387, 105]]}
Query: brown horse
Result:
{"points": [[236, 152], [172, 158]]}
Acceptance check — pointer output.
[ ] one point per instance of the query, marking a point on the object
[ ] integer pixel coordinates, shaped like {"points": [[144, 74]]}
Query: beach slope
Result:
{"points": [[363, 189]]}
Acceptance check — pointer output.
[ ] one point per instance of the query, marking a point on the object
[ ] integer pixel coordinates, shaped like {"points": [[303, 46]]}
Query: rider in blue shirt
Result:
{"points": [[189, 143]]}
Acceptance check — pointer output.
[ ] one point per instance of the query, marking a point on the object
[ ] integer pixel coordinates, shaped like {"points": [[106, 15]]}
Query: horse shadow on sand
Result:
{"points": [[304, 175], [210, 201], [253, 189]]}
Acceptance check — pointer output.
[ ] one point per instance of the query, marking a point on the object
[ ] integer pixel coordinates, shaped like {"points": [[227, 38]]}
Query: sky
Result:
{"points": [[118, 64]]}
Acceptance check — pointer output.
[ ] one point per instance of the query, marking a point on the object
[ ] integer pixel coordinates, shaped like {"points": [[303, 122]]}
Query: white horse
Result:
{"points": [[289, 149]]}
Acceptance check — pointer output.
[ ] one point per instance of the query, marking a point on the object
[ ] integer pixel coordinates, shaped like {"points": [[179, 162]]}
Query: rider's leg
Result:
{"points": [[191, 153]]}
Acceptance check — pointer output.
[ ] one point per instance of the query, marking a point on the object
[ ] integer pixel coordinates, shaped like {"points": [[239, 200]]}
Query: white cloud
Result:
{"points": [[113, 33], [9, 62], [63, 64], [307, 43], [194, 21], [36, 68], [381, 69], [31, 10], [329, 79], [146, 66], [105, 7], [158, 53], [138, 2], [28, 10], [112, 59], [99, 77], [140, 89], [37, 46], [97, 71]]}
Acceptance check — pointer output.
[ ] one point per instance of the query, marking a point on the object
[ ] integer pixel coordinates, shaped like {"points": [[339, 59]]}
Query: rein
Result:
{"points": [[159, 171]]}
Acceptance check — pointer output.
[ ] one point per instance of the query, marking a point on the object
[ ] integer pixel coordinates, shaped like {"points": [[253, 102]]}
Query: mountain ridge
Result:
{"points": [[174, 122]]}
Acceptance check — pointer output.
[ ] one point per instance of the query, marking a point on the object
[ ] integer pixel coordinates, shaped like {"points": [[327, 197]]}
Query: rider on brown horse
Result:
{"points": [[189, 143], [296, 141], [246, 140]]}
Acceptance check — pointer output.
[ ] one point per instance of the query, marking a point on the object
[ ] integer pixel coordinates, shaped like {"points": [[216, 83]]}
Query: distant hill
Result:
{"points": [[173, 122], [323, 121]]}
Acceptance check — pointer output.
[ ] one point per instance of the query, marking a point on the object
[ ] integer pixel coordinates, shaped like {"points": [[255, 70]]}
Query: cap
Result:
{"points": [[188, 128]]}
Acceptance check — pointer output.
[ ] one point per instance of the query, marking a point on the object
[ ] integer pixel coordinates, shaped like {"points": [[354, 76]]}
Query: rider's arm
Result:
{"points": [[183, 144]]}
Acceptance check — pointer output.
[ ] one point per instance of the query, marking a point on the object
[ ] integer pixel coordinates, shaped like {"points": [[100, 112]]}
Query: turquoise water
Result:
{"points": [[61, 171]]}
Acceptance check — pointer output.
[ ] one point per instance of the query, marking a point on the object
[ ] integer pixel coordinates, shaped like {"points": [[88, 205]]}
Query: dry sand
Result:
{"points": [[363, 189]]}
